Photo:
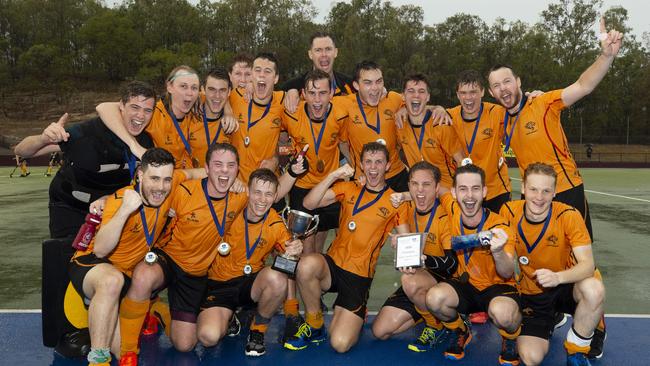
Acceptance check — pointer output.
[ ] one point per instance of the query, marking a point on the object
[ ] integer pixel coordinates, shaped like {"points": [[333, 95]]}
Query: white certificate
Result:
{"points": [[408, 250]]}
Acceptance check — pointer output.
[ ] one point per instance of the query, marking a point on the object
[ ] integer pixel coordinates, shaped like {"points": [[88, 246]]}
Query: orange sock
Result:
{"points": [[260, 323], [132, 314], [291, 307], [315, 320], [457, 323], [512, 336], [160, 310], [429, 319]]}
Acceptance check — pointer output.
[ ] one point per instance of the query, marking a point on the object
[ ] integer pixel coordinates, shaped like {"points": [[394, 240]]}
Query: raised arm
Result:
{"points": [[109, 113], [321, 195], [610, 44], [109, 233]]}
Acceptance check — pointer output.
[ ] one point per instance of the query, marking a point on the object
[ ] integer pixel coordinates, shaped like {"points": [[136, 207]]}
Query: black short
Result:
{"points": [[471, 300], [539, 310], [185, 292], [399, 182], [398, 299], [576, 197], [494, 204], [65, 219], [79, 268], [352, 289], [328, 216], [230, 294]]}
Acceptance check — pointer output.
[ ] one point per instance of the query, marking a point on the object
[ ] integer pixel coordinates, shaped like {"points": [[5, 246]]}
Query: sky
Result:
{"points": [[436, 11]]}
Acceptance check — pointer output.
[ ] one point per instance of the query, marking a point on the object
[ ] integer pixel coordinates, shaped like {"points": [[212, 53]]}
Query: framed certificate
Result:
{"points": [[408, 250]]}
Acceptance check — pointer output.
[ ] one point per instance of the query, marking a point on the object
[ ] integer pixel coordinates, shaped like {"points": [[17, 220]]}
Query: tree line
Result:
{"points": [[62, 46]]}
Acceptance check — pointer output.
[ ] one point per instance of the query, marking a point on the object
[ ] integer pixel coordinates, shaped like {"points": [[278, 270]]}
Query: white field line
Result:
{"points": [[605, 194]]}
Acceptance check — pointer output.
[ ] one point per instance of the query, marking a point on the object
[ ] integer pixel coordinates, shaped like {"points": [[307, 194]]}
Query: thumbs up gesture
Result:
{"points": [[55, 132]]}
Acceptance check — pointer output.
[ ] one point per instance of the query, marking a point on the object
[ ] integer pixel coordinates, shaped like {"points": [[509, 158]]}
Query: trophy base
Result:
{"points": [[285, 265]]}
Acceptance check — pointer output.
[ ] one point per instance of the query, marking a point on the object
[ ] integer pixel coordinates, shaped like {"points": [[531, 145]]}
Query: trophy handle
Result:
{"points": [[310, 231], [284, 214]]}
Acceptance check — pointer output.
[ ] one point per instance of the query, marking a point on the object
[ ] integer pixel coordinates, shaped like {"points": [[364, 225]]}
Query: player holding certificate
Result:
{"points": [[406, 306]]}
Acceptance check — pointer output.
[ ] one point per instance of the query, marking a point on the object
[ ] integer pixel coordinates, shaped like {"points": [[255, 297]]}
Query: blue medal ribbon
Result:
{"points": [[470, 147], [249, 249], [250, 111], [419, 140], [541, 234], [148, 235], [467, 253], [318, 140], [207, 129], [221, 226], [376, 128], [430, 221], [186, 143], [512, 128], [130, 161], [356, 209]]}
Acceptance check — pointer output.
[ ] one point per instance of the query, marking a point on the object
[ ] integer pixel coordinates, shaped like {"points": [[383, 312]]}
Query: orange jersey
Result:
{"points": [[566, 230], [357, 250], [271, 233], [486, 147], [438, 233], [194, 236], [478, 263], [132, 245], [200, 141], [358, 133], [538, 136], [305, 132], [164, 134], [436, 144], [263, 135]]}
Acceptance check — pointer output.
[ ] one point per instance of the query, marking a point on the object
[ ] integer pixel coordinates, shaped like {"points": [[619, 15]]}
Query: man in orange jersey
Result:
{"points": [[533, 128], [485, 273], [240, 72], [349, 265], [259, 119], [420, 139], [132, 221], [406, 306], [239, 278], [318, 122], [213, 125], [372, 119], [322, 53], [557, 269], [478, 127]]}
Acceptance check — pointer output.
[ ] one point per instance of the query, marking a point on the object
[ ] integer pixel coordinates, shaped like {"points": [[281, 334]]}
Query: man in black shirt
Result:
{"points": [[95, 163]]}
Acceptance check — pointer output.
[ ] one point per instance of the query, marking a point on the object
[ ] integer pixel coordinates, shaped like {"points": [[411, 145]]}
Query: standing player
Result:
{"points": [[485, 282], [173, 114], [349, 265], [132, 221], [407, 305], [557, 269], [240, 72], [478, 126], [420, 139], [322, 53], [240, 277], [372, 119]]}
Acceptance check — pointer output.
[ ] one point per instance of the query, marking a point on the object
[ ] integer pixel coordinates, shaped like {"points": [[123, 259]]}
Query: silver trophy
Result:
{"points": [[300, 225]]}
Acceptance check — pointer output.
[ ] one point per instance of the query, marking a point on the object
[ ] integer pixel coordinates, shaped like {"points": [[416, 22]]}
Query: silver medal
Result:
{"points": [[247, 141], [150, 258], [248, 269], [224, 249], [352, 225], [382, 141], [523, 260], [466, 161]]}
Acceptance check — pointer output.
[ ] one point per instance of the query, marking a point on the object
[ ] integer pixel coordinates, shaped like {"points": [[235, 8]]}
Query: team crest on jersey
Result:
{"points": [[389, 114], [137, 227], [431, 237], [276, 123], [262, 243], [383, 212], [351, 200], [240, 118], [552, 241], [356, 120], [334, 136], [531, 127], [430, 143], [527, 311], [231, 215], [168, 140], [191, 137], [488, 132], [192, 217]]}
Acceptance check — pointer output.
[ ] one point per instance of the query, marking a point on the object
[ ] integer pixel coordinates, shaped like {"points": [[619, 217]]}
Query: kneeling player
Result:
{"points": [[239, 278], [407, 305], [485, 282], [557, 269], [101, 272]]}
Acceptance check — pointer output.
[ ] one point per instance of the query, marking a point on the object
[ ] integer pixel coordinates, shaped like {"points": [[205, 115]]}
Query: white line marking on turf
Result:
{"points": [[20, 311], [606, 194]]}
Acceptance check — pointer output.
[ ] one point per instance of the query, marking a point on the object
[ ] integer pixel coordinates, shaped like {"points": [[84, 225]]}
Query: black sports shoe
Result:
{"points": [[75, 344], [458, 340], [255, 346], [234, 327], [509, 355], [597, 342], [291, 325]]}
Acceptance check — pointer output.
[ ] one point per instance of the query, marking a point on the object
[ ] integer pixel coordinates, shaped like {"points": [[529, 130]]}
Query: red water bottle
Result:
{"points": [[86, 232]]}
